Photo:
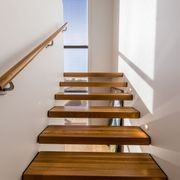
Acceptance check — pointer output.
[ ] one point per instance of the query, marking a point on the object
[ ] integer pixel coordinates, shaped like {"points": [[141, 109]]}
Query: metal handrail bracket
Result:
{"points": [[7, 88]]}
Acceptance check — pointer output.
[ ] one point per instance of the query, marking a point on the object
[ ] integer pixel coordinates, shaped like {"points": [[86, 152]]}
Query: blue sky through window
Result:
{"points": [[76, 14], [76, 60]]}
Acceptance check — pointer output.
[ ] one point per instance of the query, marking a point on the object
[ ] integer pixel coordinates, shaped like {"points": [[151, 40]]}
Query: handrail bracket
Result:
{"points": [[65, 29], [50, 44], [10, 88]]}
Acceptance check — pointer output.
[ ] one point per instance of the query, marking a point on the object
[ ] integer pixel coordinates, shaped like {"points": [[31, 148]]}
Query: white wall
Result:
{"points": [[100, 35], [149, 50], [23, 112], [115, 35]]}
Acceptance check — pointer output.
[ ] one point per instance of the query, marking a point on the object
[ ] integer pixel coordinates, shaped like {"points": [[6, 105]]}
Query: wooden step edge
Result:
{"points": [[93, 74], [106, 138], [30, 164], [94, 96], [93, 84], [165, 175], [93, 112]]}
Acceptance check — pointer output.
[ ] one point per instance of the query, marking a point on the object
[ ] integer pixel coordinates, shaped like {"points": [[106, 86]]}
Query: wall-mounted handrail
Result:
{"points": [[7, 77]]}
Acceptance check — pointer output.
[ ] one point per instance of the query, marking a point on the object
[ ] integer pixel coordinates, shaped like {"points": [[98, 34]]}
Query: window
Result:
{"points": [[76, 37]]}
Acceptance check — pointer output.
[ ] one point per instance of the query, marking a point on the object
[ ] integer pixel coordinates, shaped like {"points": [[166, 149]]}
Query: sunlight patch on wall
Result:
{"points": [[138, 33]]}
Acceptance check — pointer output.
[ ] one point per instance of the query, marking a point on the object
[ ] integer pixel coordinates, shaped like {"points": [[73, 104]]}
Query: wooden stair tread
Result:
{"points": [[94, 135], [93, 74], [96, 166], [93, 112], [92, 84], [94, 96]]}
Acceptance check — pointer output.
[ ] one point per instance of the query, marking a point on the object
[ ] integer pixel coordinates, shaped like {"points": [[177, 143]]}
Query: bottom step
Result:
{"points": [[93, 166]]}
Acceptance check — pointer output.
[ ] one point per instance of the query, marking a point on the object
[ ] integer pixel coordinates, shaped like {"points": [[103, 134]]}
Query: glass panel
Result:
{"points": [[76, 14], [76, 60]]}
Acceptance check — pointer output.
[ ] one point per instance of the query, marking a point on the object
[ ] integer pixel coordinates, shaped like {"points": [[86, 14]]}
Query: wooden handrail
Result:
{"points": [[7, 77]]}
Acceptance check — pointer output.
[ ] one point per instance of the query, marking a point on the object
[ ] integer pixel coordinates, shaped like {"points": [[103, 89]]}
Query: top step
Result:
{"points": [[93, 74]]}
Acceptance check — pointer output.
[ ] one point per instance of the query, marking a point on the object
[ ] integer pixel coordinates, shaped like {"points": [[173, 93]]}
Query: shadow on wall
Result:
{"points": [[144, 76], [163, 120]]}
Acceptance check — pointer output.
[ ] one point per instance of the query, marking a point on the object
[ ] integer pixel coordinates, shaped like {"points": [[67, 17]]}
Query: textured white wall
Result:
{"points": [[149, 50], [23, 112], [100, 35]]}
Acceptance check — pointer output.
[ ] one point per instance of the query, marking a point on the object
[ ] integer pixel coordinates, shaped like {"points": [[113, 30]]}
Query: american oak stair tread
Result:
{"points": [[96, 166], [93, 112], [94, 96], [93, 74], [94, 135], [92, 84]]}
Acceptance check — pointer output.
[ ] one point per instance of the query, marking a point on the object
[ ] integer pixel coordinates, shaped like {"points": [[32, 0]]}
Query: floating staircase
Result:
{"points": [[91, 165]]}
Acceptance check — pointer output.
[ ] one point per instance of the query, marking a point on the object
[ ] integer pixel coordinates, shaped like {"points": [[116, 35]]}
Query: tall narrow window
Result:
{"points": [[76, 38]]}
